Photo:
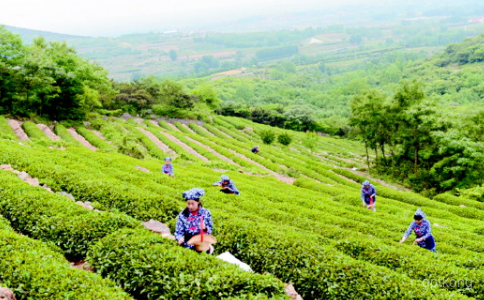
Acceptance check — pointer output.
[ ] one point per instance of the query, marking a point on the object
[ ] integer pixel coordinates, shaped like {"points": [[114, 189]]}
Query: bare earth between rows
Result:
{"points": [[225, 158], [184, 146], [17, 128], [157, 142], [48, 132], [81, 139]]}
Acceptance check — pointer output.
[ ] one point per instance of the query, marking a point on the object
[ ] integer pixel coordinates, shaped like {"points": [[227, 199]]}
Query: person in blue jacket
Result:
{"points": [[227, 186], [188, 222], [168, 167], [423, 231], [368, 195]]}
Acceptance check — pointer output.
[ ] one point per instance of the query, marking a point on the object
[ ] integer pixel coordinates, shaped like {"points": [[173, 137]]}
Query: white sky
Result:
{"points": [[114, 17]]}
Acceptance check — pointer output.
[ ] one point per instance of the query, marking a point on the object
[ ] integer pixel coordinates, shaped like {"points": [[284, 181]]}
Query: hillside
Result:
{"points": [[297, 220]]}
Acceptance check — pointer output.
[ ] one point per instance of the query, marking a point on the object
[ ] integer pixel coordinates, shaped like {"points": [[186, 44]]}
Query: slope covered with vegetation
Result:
{"points": [[312, 233]]}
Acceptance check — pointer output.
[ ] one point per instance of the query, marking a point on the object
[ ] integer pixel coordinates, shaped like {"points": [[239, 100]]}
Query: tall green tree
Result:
{"points": [[12, 53]]}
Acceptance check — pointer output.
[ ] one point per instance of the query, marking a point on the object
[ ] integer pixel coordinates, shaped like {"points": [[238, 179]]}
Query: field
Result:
{"points": [[298, 219]]}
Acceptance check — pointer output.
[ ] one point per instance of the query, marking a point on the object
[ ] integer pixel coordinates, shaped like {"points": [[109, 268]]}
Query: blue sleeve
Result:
{"points": [[208, 222], [180, 228], [427, 230], [363, 194], [374, 189], [217, 183], [234, 189], [409, 230], [172, 170]]}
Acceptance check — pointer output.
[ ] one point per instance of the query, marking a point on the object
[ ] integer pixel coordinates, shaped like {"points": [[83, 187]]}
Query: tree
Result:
{"points": [[284, 139], [207, 94], [311, 141], [298, 118], [368, 115], [268, 136], [12, 53], [173, 94], [173, 55]]}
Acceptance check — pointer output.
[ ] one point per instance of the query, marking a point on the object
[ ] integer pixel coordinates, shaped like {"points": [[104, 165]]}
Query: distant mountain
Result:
{"points": [[29, 34]]}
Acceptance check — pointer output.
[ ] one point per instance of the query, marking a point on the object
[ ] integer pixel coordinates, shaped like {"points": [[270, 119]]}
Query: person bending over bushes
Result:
{"points": [[368, 195], [227, 186], [168, 167], [194, 224], [422, 230]]}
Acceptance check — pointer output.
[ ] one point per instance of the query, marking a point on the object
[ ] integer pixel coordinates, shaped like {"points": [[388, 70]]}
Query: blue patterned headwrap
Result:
{"points": [[193, 194], [167, 159], [420, 213], [225, 178]]}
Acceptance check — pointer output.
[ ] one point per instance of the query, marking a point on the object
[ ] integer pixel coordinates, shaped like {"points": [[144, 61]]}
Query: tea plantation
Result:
{"points": [[298, 219]]}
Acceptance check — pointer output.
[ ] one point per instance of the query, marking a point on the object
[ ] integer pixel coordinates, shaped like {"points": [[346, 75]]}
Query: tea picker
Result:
{"points": [[368, 195], [227, 186], [167, 168], [423, 231], [194, 224]]}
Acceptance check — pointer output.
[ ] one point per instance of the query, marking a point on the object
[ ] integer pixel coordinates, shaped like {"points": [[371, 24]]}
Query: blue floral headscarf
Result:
{"points": [[420, 213], [193, 194]]}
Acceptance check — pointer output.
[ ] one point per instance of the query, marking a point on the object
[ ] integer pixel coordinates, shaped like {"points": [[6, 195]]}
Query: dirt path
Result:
{"points": [[100, 135], [172, 126], [205, 130], [81, 139], [158, 143], [188, 128], [154, 123], [184, 146], [138, 121], [280, 177], [388, 185], [48, 132], [224, 134], [330, 162], [24, 176], [225, 158], [17, 128]]}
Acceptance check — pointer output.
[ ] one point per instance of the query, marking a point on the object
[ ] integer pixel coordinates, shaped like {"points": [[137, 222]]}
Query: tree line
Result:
{"points": [[414, 141], [49, 80]]}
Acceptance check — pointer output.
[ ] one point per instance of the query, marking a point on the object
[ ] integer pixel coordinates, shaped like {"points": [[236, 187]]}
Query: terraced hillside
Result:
{"points": [[297, 220]]}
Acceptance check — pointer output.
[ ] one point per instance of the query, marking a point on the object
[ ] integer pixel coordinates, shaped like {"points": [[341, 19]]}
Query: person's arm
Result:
{"points": [[180, 231], [172, 171], [234, 188], [219, 183], [407, 232], [374, 192], [363, 194], [427, 231], [208, 222], [163, 168]]}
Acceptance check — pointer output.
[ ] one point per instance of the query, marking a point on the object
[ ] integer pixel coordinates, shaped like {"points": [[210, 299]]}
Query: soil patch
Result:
{"points": [[17, 128]]}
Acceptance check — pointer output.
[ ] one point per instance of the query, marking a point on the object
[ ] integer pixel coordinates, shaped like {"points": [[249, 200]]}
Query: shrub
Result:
{"points": [[54, 218], [151, 267], [284, 139], [32, 270], [268, 136], [6, 132]]}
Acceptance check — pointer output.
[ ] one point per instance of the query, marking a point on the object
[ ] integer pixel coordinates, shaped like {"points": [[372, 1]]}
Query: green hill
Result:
{"points": [[312, 233]]}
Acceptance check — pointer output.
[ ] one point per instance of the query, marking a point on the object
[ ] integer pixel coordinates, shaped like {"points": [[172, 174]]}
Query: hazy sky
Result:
{"points": [[114, 17]]}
